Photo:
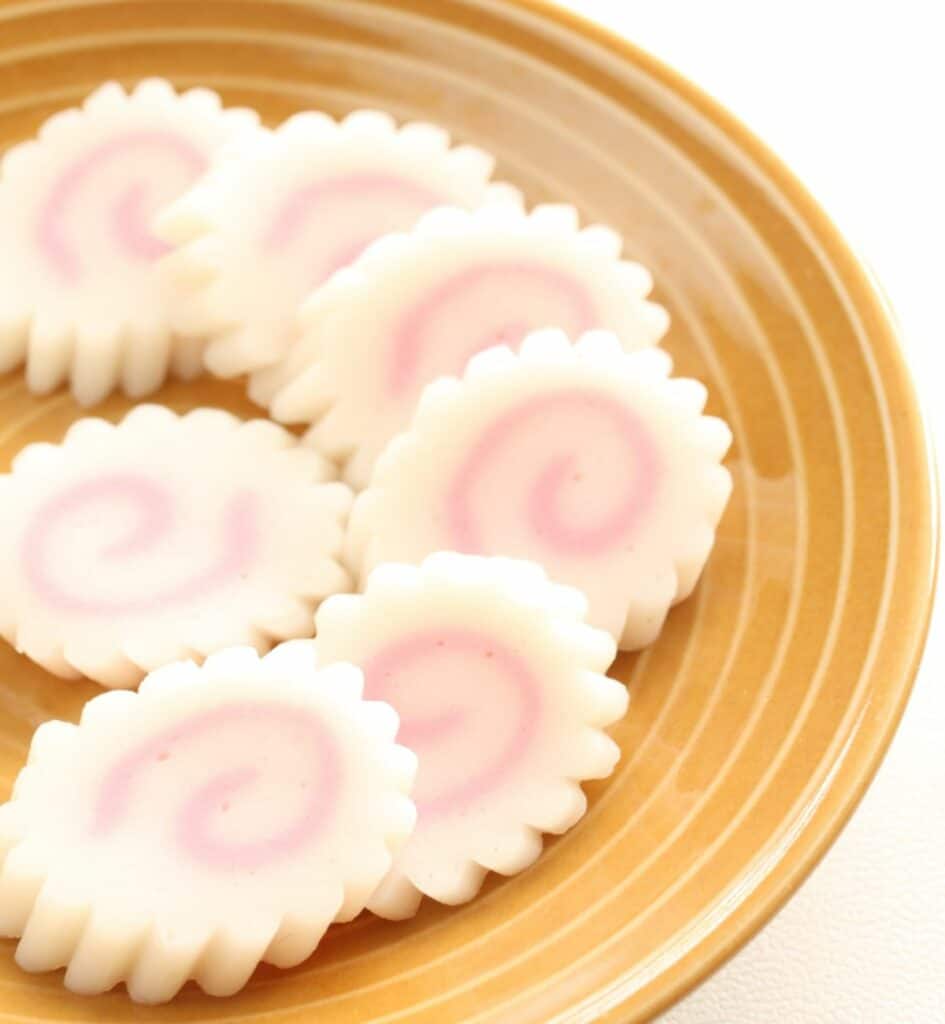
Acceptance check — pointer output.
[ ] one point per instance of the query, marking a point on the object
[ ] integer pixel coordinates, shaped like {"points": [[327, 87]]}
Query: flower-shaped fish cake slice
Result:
{"points": [[219, 817], [80, 296], [165, 537], [418, 306], [500, 690], [278, 215], [582, 457]]}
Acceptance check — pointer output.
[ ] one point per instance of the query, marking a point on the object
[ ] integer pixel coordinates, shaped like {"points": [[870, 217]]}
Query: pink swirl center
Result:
{"points": [[453, 686], [72, 511], [361, 208], [560, 426], [130, 209], [491, 304], [260, 732]]}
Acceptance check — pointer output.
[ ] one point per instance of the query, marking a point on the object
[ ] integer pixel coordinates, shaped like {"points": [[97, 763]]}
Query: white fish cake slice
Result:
{"points": [[501, 694], [219, 817], [584, 458], [418, 306], [80, 298], [126, 547], [280, 214]]}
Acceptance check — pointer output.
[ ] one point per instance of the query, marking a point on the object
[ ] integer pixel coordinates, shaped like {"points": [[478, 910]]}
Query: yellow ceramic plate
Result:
{"points": [[760, 715]]}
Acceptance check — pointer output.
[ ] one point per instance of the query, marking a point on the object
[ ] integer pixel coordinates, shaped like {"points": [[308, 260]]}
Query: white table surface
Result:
{"points": [[851, 93]]}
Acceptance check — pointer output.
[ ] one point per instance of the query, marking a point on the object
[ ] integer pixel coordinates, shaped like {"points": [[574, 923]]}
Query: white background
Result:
{"points": [[851, 93]]}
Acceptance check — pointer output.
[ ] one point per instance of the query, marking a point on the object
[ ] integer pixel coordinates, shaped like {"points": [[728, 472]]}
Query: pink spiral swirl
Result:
{"points": [[445, 683], [547, 418], [508, 299], [258, 728], [128, 218], [372, 205], [154, 508]]}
